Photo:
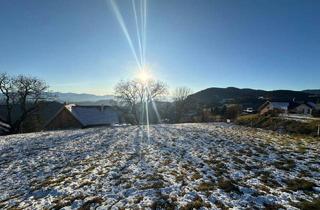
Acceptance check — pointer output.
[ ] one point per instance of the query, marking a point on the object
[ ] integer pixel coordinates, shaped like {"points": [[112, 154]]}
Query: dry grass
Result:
{"points": [[87, 182], [196, 176], [138, 199], [273, 206], [88, 204], [287, 164], [67, 201], [206, 186], [220, 205], [50, 182], [197, 203], [154, 185], [164, 202], [228, 186]]}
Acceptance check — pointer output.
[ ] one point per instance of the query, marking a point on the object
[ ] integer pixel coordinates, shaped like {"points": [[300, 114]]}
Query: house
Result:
{"points": [[274, 106], [302, 108], [36, 120], [76, 116]]}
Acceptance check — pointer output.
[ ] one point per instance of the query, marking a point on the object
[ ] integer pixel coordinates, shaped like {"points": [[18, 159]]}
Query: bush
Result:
{"points": [[275, 123], [300, 184], [232, 112], [301, 128], [309, 205], [275, 112], [248, 119]]}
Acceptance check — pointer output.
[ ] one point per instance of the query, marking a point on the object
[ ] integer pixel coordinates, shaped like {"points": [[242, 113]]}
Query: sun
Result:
{"points": [[144, 74]]}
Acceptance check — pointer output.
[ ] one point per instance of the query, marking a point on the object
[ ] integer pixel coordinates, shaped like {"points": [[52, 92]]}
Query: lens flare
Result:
{"points": [[125, 31], [144, 75]]}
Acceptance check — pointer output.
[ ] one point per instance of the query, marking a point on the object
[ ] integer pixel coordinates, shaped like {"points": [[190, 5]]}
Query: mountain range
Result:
{"points": [[250, 97], [80, 97], [210, 96]]}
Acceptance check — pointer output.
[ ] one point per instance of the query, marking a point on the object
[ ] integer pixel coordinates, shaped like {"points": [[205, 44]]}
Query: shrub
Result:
{"points": [[275, 123], [232, 112], [300, 184], [309, 205], [247, 119]]}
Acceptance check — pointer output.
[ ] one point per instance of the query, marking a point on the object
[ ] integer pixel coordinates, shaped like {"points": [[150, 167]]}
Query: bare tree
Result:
{"points": [[134, 92], [8, 91], [126, 92], [156, 89], [181, 93], [23, 91], [180, 96]]}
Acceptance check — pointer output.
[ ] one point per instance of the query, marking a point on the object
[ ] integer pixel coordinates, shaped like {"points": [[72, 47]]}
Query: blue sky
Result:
{"points": [[78, 45]]}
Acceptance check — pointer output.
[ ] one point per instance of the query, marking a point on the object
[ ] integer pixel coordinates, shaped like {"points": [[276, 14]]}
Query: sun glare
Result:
{"points": [[144, 75]]}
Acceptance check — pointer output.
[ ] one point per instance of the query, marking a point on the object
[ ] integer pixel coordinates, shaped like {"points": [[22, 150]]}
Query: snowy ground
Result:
{"points": [[183, 166]]}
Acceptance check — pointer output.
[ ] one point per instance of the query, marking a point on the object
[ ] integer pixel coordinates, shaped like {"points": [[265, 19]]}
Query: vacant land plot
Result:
{"points": [[181, 166]]}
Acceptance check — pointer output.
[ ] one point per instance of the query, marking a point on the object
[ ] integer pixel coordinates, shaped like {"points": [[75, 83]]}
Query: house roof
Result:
{"points": [[311, 105], [94, 115], [306, 104], [46, 110]]}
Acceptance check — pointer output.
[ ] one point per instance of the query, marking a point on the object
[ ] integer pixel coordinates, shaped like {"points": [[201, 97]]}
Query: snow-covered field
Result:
{"points": [[183, 166]]}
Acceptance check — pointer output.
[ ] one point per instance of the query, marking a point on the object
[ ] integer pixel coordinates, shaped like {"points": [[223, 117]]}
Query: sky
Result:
{"points": [[78, 45]]}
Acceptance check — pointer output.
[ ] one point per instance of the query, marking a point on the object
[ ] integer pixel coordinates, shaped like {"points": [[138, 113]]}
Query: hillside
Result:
{"points": [[183, 166], [249, 97]]}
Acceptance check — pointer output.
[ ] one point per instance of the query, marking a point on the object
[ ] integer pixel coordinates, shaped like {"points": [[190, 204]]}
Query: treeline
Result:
{"points": [[142, 102], [135, 97], [138, 102]]}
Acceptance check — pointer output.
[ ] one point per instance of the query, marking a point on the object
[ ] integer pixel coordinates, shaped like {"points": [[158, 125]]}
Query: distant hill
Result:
{"points": [[82, 97], [249, 97], [312, 91], [109, 102]]}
